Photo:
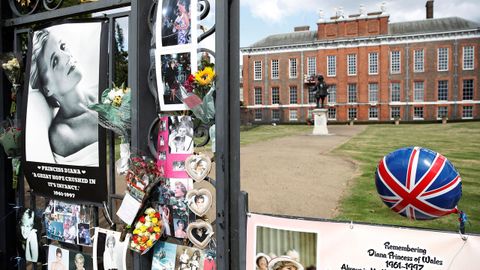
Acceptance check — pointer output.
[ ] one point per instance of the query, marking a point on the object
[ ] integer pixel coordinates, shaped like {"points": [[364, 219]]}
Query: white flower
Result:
{"points": [[107, 101], [111, 94]]}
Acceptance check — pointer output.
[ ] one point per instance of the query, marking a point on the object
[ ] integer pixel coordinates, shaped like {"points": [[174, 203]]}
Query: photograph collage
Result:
{"points": [[177, 42], [64, 259], [69, 223], [168, 256]]}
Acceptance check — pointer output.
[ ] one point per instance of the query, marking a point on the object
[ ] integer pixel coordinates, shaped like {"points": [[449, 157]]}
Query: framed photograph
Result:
{"points": [[173, 71], [176, 22], [79, 261], [189, 258], [164, 256], [84, 238], [64, 153], [108, 251], [58, 258]]}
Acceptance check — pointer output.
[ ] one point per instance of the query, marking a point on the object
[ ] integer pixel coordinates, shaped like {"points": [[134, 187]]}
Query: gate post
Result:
{"points": [[231, 212]]}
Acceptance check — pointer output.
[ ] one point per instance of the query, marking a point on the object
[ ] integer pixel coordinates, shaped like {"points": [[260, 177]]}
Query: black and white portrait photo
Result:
{"points": [[29, 228], [176, 25], [66, 72], [64, 78], [80, 261], [109, 253], [180, 139]]}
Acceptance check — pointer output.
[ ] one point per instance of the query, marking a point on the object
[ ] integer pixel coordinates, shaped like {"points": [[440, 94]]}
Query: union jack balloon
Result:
{"points": [[418, 183]]}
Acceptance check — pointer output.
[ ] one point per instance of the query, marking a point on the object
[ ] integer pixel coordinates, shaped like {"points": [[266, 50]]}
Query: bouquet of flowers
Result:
{"points": [[147, 231], [114, 114], [13, 69], [142, 175]]}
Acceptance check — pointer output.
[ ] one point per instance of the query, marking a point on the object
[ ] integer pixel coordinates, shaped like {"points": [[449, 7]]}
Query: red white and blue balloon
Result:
{"points": [[418, 183]]}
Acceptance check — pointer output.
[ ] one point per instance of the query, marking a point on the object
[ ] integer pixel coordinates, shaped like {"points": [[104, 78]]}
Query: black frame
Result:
{"points": [[231, 203]]}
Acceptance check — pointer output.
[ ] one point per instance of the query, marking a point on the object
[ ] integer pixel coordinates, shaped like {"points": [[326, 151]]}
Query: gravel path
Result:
{"points": [[297, 175]]}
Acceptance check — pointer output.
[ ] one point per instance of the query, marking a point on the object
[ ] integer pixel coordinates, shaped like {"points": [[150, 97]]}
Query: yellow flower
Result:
{"points": [[143, 228], [156, 229], [117, 101], [136, 231], [154, 220], [205, 76]]}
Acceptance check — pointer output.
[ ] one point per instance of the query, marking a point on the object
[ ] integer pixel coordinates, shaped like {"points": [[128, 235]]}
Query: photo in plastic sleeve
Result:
{"points": [[180, 137], [80, 261], [297, 245], [84, 237], [66, 208], [58, 258], [176, 23], [28, 232], [54, 226], [108, 251], [164, 256], [189, 258]]}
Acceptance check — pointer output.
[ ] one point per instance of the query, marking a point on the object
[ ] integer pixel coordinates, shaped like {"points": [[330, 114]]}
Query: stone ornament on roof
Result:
{"points": [[321, 16], [383, 7]]}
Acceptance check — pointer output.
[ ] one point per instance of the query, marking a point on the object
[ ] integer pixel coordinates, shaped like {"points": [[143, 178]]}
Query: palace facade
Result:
{"points": [[377, 70]]}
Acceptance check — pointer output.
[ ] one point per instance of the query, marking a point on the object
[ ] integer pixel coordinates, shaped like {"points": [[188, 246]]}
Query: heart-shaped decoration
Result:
{"points": [[84, 171], [39, 167], [198, 166], [200, 233], [199, 201]]}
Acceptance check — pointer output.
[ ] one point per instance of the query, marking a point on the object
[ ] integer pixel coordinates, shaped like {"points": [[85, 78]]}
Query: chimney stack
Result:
{"points": [[429, 7]]}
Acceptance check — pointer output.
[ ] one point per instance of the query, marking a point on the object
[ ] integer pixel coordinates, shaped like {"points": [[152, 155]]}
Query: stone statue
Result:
{"points": [[321, 91]]}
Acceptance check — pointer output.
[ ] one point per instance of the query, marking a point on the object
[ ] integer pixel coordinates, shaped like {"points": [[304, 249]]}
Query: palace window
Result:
{"points": [[293, 95], [332, 113], [418, 91], [352, 113], [373, 63], [311, 66], [395, 112], [331, 65], [443, 90], [275, 72], [468, 89], [352, 93], [417, 112], [418, 61], [293, 67], [442, 59], [352, 64], [275, 95], [373, 92], [275, 115], [332, 94], [468, 57], [258, 114], [373, 113], [293, 115], [395, 92], [395, 65], [442, 112], [257, 70], [467, 112], [258, 96]]}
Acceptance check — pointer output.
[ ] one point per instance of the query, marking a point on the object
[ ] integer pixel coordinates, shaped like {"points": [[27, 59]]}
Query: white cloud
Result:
{"points": [[273, 11]]}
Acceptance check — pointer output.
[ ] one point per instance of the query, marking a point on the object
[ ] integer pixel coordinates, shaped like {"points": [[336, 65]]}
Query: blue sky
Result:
{"points": [[260, 18]]}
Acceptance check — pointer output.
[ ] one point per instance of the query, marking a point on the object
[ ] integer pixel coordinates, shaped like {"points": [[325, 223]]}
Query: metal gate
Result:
{"points": [[15, 24]]}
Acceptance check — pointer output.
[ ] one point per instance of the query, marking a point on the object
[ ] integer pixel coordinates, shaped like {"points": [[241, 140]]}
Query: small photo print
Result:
{"points": [[80, 261], [180, 139], [109, 252], [29, 228], [298, 245], [66, 208], [179, 166], [58, 258], [54, 226], [189, 258], [84, 237], [167, 219], [175, 69], [164, 256], [176, 22], [70, 229], [180, 226], [162, 155], [178, 188]]}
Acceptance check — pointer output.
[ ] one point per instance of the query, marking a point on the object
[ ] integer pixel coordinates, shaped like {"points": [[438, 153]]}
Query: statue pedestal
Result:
{"points": [[320, 119]]}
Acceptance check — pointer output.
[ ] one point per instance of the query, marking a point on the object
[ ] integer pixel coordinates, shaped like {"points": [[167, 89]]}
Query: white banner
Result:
{"points": [[346, 246]]}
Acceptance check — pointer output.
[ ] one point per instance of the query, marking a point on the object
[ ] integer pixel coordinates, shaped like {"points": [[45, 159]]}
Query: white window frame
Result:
{"points": [[438, 90], [438, 111], [419, 109], [352, 96], [350, 110], [373, 92], [442, 59], [275, 67], [472, 89], [277, 95], [292, 67], [255, 95], [399, 91], [273, 115], [332, 94], [418, 91], [331, 65], [471, 112], [293, 115], [256, 114], [418, 60], [395, 62], [295, 93], [392, 110], [257, 70], [373, 63], [352, 64], [330, 109], [311, 66], [468, 58], [370, 117]]}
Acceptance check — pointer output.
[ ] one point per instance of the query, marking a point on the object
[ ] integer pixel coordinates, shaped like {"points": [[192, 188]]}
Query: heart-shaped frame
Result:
{"points": [[198, 166], [200, 233], [199, 201]]}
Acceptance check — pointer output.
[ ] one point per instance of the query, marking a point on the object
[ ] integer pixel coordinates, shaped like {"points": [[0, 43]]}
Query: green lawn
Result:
{"points": [[254, 134], [459, 142]]}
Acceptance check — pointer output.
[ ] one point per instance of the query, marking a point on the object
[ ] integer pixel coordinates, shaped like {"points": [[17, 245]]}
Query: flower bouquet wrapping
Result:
{"points": [[11, 66], [147, 231], [10, 140], [114, 113]]}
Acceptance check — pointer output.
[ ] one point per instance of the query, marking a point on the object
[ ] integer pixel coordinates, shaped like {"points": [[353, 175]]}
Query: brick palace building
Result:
{"points": [[377, 70]]}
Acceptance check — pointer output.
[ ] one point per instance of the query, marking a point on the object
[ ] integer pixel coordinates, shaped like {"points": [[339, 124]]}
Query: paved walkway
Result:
{"points": [[297, 175]]}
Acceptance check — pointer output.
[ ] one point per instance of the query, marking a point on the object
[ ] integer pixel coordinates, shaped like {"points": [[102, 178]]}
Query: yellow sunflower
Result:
{"points": [[205, 76]]}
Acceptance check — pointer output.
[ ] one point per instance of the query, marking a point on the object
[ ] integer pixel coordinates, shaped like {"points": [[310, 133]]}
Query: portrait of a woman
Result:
{"points": [[109, 256], [29, 239], [60, 127]]}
